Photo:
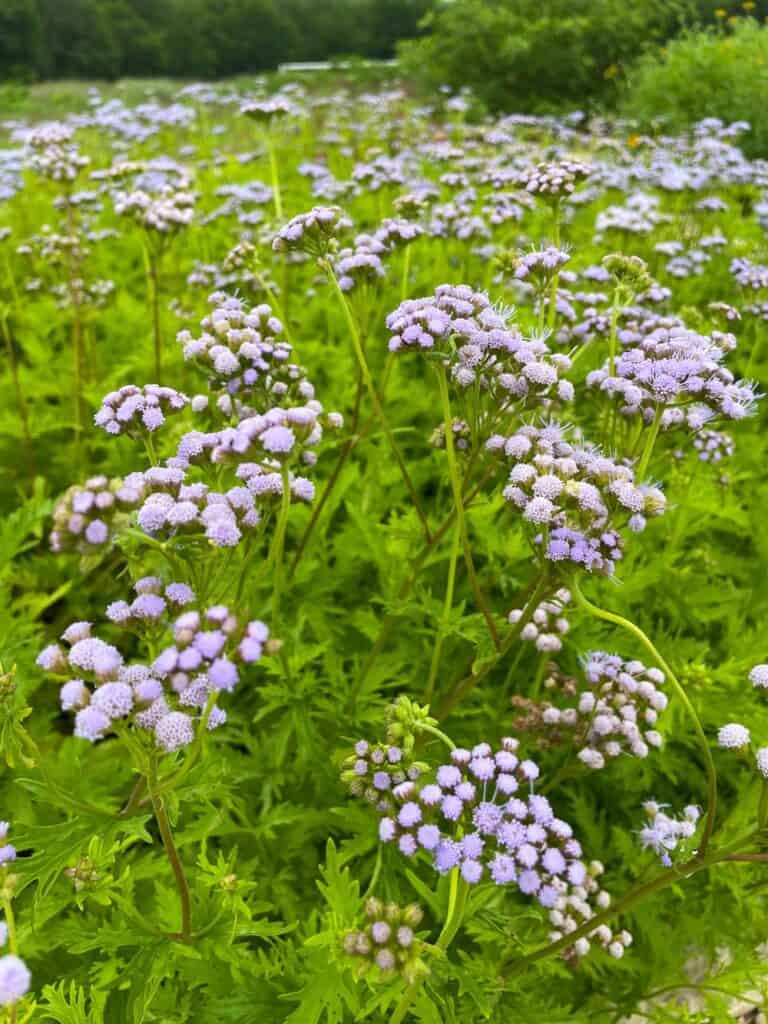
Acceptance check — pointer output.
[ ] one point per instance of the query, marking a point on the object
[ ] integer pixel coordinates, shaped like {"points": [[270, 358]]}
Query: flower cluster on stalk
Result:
{"points": [[574, 498], [204, 651]]}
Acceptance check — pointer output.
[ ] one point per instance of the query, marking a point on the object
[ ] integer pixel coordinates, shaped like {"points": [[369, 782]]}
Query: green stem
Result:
{"points": [[457, 903], [434, 731], [556, 276], [458, 497], [619, 620], [442, 627], [153, 285], [375, 400], [161, 816], [406, 273], [278, 543], [649, 444], [276, 195]]}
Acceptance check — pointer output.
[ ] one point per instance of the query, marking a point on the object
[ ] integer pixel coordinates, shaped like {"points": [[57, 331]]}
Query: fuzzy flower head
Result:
{"points": [[163, 213], [484, 354], [315, 233], [554, 182], [677, 372], [663, 833], [270, 110]]}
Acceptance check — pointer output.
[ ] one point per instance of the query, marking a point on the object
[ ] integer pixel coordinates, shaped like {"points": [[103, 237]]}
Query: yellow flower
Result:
{"points": [[611, 71], [721, 12], [749, 5], [733, 19], [633, 141]]}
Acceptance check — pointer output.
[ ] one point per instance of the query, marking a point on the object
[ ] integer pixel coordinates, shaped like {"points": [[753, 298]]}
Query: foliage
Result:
{"points": [[719, 73], [227, 874], [529, 56], [109, 39]]}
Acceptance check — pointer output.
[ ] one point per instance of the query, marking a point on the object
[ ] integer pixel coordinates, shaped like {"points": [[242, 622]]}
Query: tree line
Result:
{"points": [[109, 39]]}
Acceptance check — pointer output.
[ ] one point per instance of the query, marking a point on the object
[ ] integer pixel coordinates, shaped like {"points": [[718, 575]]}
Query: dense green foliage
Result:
{"points": [[275, 851], [706, 74], [525, 55], [108, 39]]}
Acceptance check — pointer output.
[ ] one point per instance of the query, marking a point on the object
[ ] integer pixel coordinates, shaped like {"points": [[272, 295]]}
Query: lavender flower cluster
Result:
{"points": [[539, 266], [165, 213], [241, 350], [474, 818], [473, 339], [314, 232], [547, 625], [664, 833], [83, 517], [578, 498], [554, 180], [171, 506], [133, 409], [180, 686], [616, 714], [387, 941], [672, 367]]}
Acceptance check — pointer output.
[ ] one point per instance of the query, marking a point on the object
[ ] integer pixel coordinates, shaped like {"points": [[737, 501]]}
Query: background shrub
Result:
{"points": [[712, 73], [527, 55]]}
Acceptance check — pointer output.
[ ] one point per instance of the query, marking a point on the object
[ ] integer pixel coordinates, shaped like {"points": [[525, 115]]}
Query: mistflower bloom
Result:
{"points": [[206, 652], [554, 181], [172, 507], [733, 736], [758, 676], [671, 368], [163, 213], [53, 155], [85, 517], [149, 606], [314, 232], [244, 356], [386, 943], [581, 497], [357, 266], [482, 816], [14, 979], [752, 276], [537, 266], [761, 759], [374, 770], [713, 445], [548, 624], [663, 833], [617, 713], [480, 349], [135, 409], [270, 109]]}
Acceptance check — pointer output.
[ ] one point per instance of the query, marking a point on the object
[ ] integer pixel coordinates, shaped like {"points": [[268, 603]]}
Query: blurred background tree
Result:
{"points": [[109, 39]]}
